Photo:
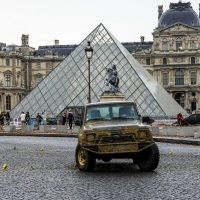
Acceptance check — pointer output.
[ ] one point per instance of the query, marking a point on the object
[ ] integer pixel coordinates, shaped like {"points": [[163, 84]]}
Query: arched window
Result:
{"points": [[164, 44], [193, 60], [8, 102], [164, 61], [179, 78], [192, 43], [179, 44], [147, 61]]}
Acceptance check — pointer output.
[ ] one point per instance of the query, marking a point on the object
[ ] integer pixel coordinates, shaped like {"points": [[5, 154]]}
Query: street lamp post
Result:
{"points": [[89, 53]]}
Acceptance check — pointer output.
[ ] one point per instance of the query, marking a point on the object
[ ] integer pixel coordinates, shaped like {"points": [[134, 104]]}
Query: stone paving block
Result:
{"points": [[198, 132], [76, 129], [169, 131], [155, 130], [61, 129], [45, 128], [186, 131], [27, 128], [10, 128]]}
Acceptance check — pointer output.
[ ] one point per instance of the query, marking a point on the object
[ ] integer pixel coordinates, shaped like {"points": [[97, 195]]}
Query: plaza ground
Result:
{"points": [[50, 174]]}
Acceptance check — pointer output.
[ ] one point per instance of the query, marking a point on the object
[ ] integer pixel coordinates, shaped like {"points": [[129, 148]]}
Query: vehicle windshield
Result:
{"points": [[111, 112]]}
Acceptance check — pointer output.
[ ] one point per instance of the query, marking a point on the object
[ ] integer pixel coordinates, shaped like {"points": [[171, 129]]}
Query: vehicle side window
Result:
{"points": [[193, 117]]}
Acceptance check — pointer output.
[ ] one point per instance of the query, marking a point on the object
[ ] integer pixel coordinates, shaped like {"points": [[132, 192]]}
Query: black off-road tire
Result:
{"points": [[89, 163], [149, 158]]}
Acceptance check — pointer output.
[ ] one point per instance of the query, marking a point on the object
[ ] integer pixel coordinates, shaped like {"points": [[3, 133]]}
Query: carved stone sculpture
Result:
{"points": [[186, 41], [1, 83], [112, 79], [23, 84], [48, 51], [24, 39], [138, 47]]}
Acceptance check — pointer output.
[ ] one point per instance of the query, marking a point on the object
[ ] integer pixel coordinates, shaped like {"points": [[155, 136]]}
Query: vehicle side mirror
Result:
{"points": [[146, 119]]}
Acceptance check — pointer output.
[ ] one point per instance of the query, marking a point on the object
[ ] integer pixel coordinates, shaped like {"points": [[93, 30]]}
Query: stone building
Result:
{"points": [[172, 58]]}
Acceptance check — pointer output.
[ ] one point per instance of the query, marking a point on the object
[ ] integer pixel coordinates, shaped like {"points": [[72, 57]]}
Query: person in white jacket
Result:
{"points": [[22, 116], [44, 117]]}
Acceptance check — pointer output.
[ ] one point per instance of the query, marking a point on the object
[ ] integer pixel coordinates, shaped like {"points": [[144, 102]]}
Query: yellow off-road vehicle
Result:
{"points": [[114, 130]]}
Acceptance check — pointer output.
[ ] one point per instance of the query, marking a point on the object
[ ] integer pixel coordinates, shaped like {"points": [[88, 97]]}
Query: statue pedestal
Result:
{"points": [[112, 96]]}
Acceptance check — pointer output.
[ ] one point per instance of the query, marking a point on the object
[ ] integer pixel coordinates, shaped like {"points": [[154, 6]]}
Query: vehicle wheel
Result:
{"points": [[149, 158], [85, 160]]}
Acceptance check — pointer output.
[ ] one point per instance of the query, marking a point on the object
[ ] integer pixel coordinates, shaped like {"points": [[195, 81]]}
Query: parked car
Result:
{"points": [[52, 121], [192, 119]]}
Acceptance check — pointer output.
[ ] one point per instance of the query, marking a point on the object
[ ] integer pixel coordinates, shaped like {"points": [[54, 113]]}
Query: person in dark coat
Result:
{"points": [[38, 119], [71, 119], [7, 115], [27, 118], [64, 117]]}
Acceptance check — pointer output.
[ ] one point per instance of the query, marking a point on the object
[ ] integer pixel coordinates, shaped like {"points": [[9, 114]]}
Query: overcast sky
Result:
{"points": [[71, 21]]}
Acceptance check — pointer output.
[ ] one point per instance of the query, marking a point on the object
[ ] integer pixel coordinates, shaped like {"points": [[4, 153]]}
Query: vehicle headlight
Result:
{"points": [[90, 138]]}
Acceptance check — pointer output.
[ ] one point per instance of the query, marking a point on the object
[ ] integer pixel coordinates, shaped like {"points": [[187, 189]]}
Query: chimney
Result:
{"points": [[142, 38], [160, 11], [56, 42]]}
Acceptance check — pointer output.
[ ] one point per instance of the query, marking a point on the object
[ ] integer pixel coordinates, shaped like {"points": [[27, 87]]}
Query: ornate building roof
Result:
{"points": [[179, 12]]}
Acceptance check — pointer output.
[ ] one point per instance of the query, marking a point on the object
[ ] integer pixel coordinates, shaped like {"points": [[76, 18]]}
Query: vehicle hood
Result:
{"points": [[114, 125]]}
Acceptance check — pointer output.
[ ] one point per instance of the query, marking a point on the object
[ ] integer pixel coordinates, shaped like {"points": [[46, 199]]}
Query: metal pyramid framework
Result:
{"points": [[67, 84]]}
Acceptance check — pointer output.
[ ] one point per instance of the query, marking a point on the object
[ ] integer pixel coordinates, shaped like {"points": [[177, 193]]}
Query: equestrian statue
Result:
{"points": [[112, 79]]}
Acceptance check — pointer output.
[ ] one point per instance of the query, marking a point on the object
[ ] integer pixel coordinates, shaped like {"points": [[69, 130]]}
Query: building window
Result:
{"points": [[179, 44], [39, 80], [38, 66], [164, 61], [8, 102], [20, 97], [193, 43], [165, 78], [193, 60], [7, 62], [164, 45], [17, 62], [7, 80], [147, 61], [179, 78], [193, 78]]}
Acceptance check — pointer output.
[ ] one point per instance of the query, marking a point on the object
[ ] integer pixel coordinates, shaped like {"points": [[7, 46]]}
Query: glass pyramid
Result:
{"points": [[67, 84]]}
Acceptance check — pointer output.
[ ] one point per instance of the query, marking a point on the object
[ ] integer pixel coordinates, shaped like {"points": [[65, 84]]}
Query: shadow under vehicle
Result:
{"points": [[114, 130], [192, 119]]}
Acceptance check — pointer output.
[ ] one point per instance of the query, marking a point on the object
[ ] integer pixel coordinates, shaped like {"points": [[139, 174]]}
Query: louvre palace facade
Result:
{"points": [[172, 58]]}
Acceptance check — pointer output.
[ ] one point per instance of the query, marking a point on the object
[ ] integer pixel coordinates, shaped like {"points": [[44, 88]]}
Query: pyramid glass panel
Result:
{"points": [[67, 85]]}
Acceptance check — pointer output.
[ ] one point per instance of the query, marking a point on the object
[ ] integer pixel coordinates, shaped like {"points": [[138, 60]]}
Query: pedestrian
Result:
{"points": [[27, 118], [22, 116], [70, 118], [1, 121], [38, 119], [7, 115], [179, 118], [64, 117], [44, 117]]}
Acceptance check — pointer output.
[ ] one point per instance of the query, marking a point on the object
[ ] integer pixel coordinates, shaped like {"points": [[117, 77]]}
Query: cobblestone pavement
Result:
{"points": [[50, 174]]}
